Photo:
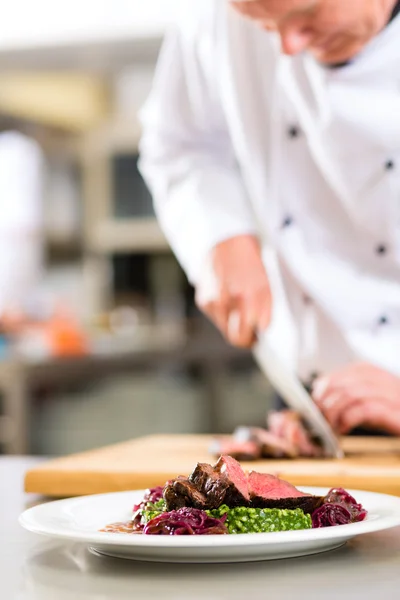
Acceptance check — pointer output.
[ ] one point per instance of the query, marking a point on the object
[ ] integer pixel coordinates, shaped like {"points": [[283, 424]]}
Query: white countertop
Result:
{"points": [[33, 568]]}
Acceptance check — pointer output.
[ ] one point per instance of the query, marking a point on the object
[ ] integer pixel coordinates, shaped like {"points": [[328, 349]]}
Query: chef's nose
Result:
{"points": [[295, 40]]}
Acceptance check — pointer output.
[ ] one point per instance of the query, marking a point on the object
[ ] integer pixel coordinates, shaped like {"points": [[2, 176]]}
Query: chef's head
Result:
{"points": [[332, 30]]}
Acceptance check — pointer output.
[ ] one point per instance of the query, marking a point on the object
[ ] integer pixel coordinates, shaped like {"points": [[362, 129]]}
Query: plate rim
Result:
{"points": [[28, 521]]}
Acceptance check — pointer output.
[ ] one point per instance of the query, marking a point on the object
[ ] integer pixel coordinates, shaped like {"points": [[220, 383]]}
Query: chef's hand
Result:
{"points": [[360, 395], [241, 300]]}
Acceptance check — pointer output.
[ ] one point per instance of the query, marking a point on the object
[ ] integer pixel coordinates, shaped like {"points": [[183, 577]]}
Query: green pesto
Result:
{"points": [[262, 520], [152, 510]]}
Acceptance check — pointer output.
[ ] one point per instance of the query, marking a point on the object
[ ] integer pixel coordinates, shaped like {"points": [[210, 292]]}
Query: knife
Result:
{"points": [[293, 392]]}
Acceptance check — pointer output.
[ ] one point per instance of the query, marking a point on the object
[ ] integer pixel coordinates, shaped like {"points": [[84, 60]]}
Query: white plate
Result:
{"points": [[79, 519]]}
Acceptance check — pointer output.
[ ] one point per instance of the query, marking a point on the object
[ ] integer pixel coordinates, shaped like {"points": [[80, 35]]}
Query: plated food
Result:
{"points": [[224, 499], [81, 520]]}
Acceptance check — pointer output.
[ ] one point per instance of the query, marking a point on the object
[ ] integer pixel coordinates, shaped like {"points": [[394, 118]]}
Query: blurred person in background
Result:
{"points": [[21, 220], [273, 130], [34, 320]]}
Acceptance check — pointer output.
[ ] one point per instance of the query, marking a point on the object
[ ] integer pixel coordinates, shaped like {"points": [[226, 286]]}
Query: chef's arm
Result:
{"points": [[189, 165], [186, 155]]}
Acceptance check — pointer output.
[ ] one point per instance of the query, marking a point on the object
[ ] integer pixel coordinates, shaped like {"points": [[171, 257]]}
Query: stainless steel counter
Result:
{"points": [[34, 568]]}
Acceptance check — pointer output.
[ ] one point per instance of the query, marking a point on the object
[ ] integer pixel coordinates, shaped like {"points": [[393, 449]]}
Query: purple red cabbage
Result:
{"points": [[186, 521], [329, 515], [338, 508], [151, 495]]}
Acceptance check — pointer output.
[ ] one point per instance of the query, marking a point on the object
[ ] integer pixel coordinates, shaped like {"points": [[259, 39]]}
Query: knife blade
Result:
{"points": [[292, 391]]}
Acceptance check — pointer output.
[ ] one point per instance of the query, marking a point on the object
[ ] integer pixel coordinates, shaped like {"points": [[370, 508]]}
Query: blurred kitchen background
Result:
{"points": [[100, 338]]}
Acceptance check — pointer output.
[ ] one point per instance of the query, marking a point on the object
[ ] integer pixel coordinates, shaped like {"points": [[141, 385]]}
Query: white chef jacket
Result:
{"points": [[238, 138]]}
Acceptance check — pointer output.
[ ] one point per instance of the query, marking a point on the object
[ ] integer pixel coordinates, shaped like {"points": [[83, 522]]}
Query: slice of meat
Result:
{"points": [[289, 426], [241, 450], [269, 486], [181, 492], [202, 472], [268, 491], [173, 500], [307, 503], [270, 444], [211, 483], [276, 422], [237, 493]]}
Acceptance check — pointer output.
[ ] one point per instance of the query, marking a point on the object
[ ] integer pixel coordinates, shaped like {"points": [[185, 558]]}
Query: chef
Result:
{"points": [[271, 145], [21, 221]]}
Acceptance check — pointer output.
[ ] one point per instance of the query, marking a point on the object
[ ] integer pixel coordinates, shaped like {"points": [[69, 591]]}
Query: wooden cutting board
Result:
{"points": [[370, 464]]}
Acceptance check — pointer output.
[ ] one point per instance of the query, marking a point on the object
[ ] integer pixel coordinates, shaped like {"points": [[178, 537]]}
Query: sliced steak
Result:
{"points": [[202, 472], [269, 486], [239, 449], [211, 483], [276, 422], [173, 500], [237, 493], [271, 445], [307, 503], [181, 492], [268, 491], [290, 428]]}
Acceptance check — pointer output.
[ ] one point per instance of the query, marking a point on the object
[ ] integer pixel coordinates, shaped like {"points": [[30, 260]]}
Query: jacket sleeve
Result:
{"points": [[187, 159]]}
